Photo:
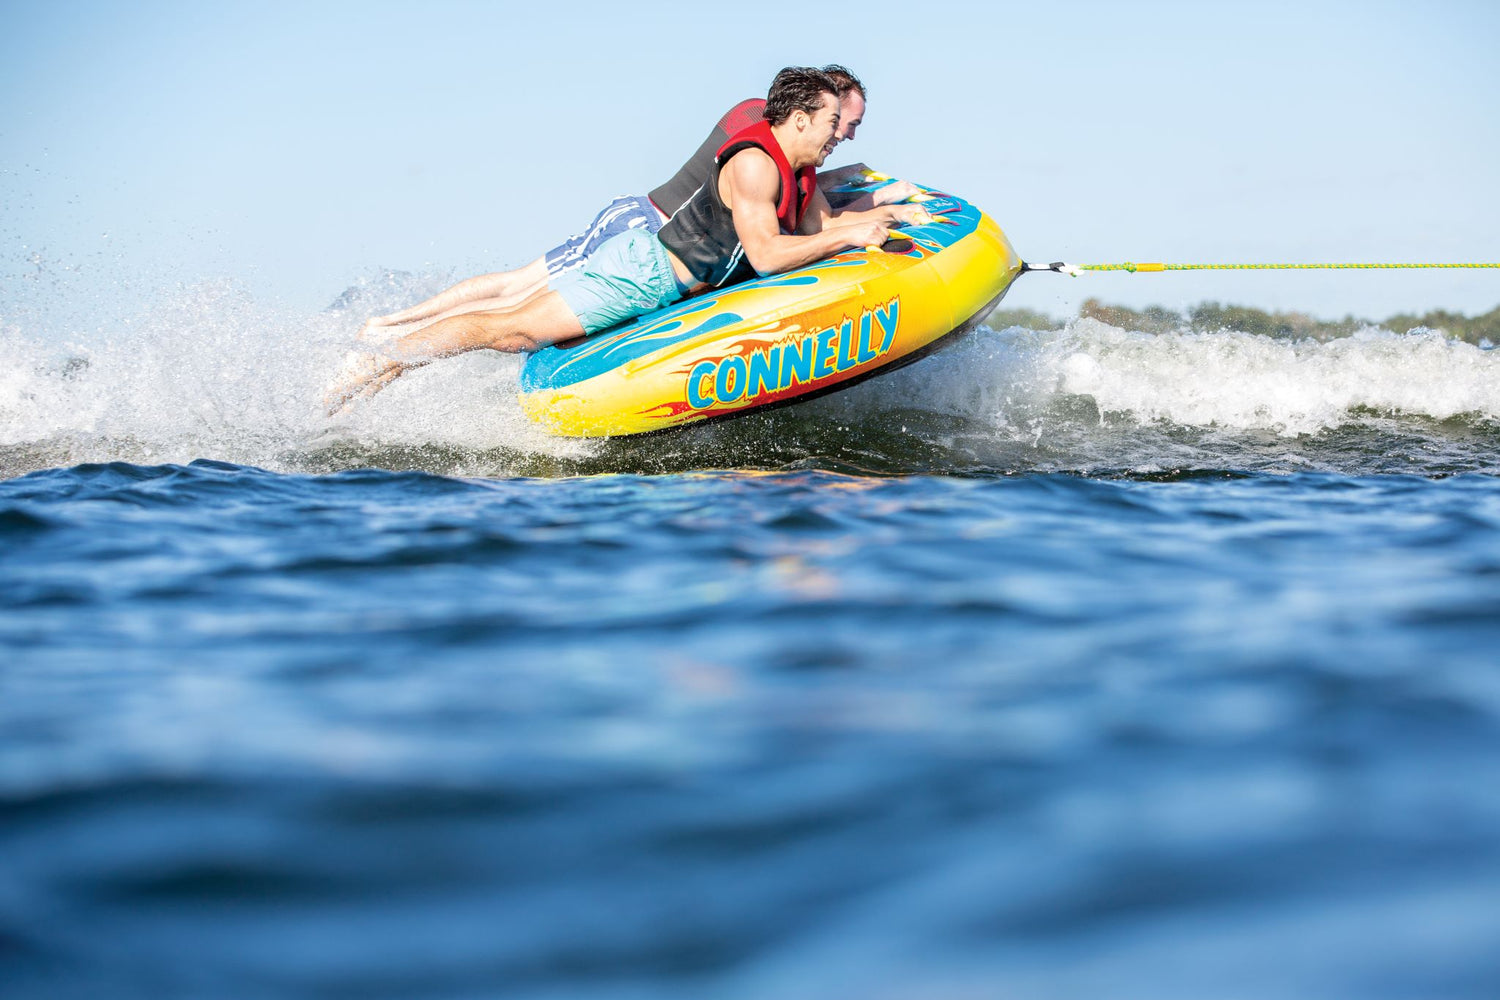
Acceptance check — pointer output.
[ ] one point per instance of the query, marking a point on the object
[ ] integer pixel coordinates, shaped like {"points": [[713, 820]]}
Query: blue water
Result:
{"points": [[748, 734], [1066, 663]]}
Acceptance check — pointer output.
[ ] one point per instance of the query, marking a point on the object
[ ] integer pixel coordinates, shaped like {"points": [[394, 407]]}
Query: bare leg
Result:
{"points": [[373, 334], [540, 320], [502, 290]]}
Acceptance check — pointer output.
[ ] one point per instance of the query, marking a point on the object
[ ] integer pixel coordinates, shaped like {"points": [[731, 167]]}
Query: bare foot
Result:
{"points": [[362, 374], [375, 330]]}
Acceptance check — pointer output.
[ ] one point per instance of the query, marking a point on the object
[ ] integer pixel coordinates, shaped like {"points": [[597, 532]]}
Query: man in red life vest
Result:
{"points": [[758, 212], [508, 288]]}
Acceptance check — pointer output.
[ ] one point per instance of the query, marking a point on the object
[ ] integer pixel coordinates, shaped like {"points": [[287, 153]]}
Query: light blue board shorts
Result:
{"points": [[628, 276], [630, 212]]}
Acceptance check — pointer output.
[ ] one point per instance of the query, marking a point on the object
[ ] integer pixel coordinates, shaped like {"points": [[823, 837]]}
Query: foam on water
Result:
{"points": [[209, 372], [1244, 381], [735, 734]]}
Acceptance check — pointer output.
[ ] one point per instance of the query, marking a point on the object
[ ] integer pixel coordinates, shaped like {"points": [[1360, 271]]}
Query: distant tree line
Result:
{"points": [[1210, 316]]}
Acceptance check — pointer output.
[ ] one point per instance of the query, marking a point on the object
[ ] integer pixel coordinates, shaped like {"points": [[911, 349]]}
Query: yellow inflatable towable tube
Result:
{"points": [[780, 339]]}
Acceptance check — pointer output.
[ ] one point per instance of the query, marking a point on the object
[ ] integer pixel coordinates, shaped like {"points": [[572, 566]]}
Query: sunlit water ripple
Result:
{"points": [[787, 734], [1075, 663]]}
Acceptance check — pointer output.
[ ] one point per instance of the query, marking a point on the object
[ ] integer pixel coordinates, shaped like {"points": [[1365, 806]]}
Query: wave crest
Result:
{"points": [[211, 373]]}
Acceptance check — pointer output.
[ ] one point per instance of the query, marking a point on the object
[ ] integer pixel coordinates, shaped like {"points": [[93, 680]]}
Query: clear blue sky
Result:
{"points": [[295, 148]]}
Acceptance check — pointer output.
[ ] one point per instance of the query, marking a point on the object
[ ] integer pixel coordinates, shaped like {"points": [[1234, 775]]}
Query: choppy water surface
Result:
{"points": [[1068, 663]]}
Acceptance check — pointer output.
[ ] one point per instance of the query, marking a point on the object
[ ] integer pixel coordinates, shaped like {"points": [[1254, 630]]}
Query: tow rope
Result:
{"points": [[1076, 270]]}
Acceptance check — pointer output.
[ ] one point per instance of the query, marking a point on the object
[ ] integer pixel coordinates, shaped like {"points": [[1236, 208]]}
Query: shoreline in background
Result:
{"points": [[1482, 330]]}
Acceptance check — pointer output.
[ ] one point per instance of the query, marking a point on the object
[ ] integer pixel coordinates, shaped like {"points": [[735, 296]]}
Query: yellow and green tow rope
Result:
{"points": [[1076, 269]]}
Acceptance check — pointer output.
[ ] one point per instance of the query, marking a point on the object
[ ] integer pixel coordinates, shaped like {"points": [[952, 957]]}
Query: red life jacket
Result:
{"points": [[796, 191], [701, 233], [690, 176]]}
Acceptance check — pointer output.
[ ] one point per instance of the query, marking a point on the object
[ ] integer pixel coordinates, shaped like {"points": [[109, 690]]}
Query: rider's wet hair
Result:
{"points": [[798, 88]]}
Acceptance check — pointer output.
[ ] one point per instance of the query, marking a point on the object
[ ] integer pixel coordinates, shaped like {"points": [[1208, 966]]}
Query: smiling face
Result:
{"points": [[821, 132], [851, 115]]}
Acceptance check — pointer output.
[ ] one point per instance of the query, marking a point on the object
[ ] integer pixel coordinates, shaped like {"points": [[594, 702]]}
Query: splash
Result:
{"points": [[1249, 382], [208, 372]]}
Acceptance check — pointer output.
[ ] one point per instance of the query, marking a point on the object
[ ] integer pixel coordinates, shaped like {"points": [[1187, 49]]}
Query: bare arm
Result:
{"points": [[887, 195], [858, 174], [889, 215], [749, 185], [819, 214]]}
